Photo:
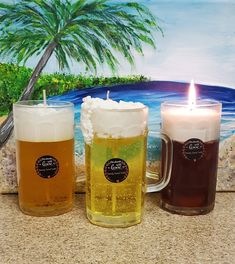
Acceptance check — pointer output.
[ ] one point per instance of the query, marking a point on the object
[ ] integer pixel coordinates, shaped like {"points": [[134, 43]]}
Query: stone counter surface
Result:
{"points": [[161, 237]]}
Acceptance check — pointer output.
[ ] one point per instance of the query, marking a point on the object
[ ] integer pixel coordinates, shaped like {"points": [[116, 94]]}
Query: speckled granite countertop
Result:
{"points": [[160, 238]]}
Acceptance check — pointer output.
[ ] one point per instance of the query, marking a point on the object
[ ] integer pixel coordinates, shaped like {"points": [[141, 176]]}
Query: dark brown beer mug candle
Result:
{"points": [[194, 128]]}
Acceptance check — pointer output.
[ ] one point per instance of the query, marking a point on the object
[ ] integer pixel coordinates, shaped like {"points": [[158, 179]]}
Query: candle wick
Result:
{"points": [[107, 95], [44, 97]]}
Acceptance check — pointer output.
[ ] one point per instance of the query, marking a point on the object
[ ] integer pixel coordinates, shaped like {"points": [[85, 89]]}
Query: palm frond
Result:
{"points": [[87, 31]]}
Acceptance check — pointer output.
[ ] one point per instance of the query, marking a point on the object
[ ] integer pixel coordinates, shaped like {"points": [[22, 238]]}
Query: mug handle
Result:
{"points": [[77, 156], [166, 171]]}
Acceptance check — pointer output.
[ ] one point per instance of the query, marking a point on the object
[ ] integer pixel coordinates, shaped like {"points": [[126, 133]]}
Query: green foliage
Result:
{"points": [[14, 79], [91, 32]]}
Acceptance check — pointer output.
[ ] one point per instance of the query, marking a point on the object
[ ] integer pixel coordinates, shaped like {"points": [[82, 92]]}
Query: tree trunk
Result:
{"points": [[7, 126]]}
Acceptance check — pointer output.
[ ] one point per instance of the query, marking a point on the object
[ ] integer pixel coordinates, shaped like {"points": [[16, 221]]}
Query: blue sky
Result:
{"points": [[198, 43]]}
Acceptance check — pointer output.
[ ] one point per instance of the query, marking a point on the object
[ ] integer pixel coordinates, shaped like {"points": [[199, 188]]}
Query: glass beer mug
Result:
{"points": [[115, 155], [45, 156], [195, 134]]}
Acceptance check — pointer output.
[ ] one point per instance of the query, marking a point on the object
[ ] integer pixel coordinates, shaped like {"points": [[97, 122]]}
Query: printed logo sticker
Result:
{"points": [[47, 167], [193, 149], [116, 170]]}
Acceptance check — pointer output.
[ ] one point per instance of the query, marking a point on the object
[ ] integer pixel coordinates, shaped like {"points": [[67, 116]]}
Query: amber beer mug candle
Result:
{"points": [[44, 134], [115, 147], [194, 128]]}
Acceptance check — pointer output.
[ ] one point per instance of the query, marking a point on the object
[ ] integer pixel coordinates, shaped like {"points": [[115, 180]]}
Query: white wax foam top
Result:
{"points": [[181, 124], [108, 118], [43, 124]]}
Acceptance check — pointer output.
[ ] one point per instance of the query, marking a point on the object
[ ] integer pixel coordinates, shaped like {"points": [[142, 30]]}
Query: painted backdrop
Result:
{"points": [[198, 43]]}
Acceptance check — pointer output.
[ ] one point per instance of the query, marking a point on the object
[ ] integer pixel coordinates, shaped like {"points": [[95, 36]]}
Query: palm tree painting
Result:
{"points": [[86, 31], [104, 41]]}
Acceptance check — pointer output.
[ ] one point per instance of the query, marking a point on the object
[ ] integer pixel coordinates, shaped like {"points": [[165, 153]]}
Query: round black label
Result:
{"points": [[116, 170], [193, 149], [47, 166]]}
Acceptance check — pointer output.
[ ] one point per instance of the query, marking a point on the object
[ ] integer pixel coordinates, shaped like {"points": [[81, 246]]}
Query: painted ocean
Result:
{"points": [[152, 94]]}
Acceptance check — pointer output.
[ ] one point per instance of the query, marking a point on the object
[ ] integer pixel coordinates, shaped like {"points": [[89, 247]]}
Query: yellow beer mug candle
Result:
{"points": [[115, 136], [44, 136]]}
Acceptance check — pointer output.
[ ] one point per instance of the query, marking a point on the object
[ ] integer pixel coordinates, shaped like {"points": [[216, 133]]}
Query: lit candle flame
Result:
{"points": [[192, 95], [107, 95]]}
